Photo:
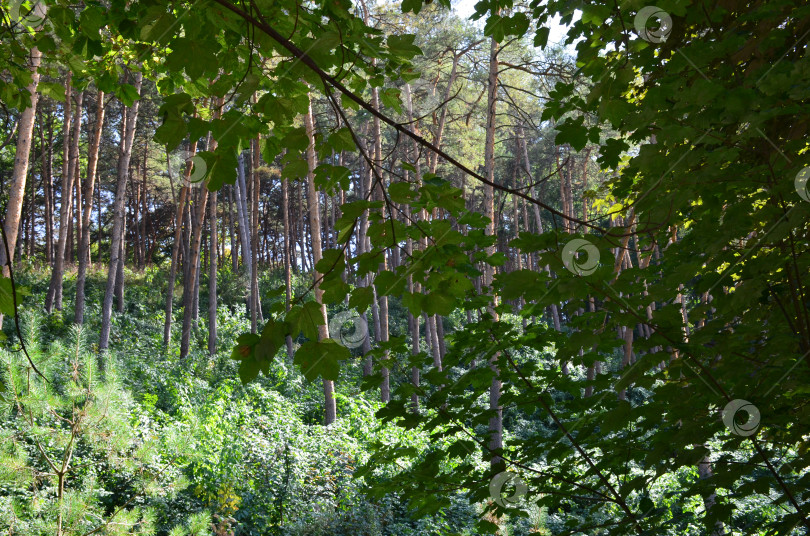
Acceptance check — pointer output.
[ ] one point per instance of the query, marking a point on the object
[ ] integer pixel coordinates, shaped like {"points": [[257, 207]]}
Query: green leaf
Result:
{"points": [[572, 132], [127, 94], [272, 338], [519, 24], [341, 140], [305, 319], [495, 28], [248, 370], [221, 167], [326, 42], [91, 20], [402, 46], [245, 344], [297, 169], [514, 284], [195, 56], [333, 261], [296, 140], [321, 358], [361, 298], [53, 90], [402, 192], [6, 296], [390, 97], [412, 5], [389, 283], [541, 37]]}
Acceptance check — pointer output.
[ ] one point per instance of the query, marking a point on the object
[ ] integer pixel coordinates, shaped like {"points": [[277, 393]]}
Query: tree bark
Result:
{"points": [[47, 171], [377, 194], [191, 283], [20, 172], [89, 185], [124, 155], [244, 222], [54, 296], [330, 408], [255, 305], [119, 278], [496, 420], [285, 208], [178, 240], [212, 276], [232, 231]]}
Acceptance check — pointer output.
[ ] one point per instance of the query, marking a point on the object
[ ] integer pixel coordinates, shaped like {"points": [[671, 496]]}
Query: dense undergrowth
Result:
{"points": [[148, 443], [152, 444]]}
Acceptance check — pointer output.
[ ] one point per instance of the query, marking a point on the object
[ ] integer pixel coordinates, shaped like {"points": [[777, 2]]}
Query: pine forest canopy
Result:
{"points": [[583, 278]]}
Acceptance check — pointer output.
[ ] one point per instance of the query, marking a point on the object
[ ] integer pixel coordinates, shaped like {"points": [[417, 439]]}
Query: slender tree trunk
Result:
{"points": [[19, 174], [98, 215], [363, 184], [124, 155], [77, 204], [119, 278], [212, 276], [244, 222], [377, 194], [178, 240], [53, 297], [285, 209], [48, 177], [255, 306], [191, 284], [300, 228], [330, 408], [89, 185], [231, 230], [496, 420], [76, 181]]}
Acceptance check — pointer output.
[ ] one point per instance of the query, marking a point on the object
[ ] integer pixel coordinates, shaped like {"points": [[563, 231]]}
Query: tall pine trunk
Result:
{"points": [[191, 284], [330, 408], [212, 275], [285, 209], [178, 240], [124, 156], [255, 304], [19, 174], [47, 172], [382, 301], [496, 420], [65, 202], [243, 218], [89, 186]]}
